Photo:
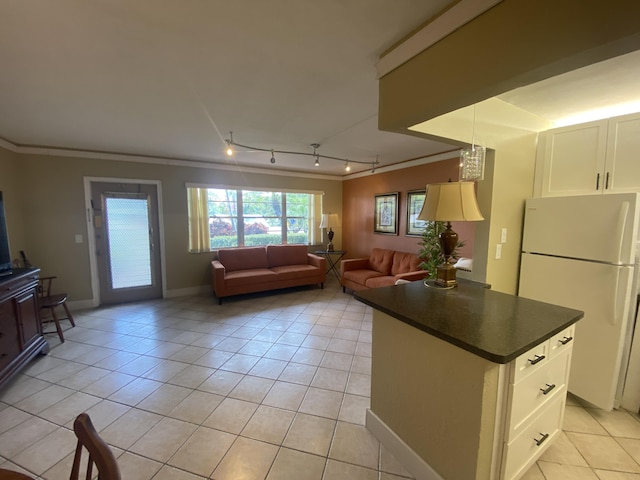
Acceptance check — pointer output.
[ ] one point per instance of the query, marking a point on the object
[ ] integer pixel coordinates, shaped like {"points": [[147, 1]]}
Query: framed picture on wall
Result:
{"points": [[415, 200], [385, 213]]}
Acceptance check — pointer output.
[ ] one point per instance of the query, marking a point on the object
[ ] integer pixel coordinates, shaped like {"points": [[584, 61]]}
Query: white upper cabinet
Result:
{"points": [[595, 157], [623, 154]]}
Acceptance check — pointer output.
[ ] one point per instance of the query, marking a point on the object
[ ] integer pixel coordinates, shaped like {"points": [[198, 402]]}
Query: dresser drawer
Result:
{"points": [[534, 439], [530, 361], [562, 341], [528, 396]]}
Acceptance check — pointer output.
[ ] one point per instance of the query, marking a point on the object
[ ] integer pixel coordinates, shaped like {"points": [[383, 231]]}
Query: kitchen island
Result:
{"points": [[467, 383]]}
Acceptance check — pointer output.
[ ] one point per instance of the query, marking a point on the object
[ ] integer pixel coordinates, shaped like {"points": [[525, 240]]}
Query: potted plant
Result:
{"points": [[430, 251]]}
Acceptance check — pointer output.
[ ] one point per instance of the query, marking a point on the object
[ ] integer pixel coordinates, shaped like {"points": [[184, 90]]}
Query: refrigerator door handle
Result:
{"points": [[622, 223], [614, 319]]}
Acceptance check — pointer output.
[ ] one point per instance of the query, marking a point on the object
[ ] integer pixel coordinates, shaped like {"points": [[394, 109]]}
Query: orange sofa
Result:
{"points": [[256, 269], [380, 269]]}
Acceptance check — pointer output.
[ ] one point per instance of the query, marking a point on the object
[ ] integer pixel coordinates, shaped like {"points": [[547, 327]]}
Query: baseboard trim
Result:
{"points": [[185, 292], [78, 305], [409, 459]]}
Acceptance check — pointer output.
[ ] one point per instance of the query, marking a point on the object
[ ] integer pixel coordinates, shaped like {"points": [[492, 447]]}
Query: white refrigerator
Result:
{"points": [[581, 252]]}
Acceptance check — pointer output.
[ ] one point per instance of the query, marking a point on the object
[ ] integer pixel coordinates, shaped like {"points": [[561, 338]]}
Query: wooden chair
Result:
{"points": [[100, 454], [50, 301]]}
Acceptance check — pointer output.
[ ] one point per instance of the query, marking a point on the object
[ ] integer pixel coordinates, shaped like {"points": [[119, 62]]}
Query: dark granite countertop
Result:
{"points": [[493, 325]]}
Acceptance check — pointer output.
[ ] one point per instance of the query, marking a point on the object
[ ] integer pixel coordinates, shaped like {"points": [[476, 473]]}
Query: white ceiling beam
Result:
{"points": [[461, 13]]}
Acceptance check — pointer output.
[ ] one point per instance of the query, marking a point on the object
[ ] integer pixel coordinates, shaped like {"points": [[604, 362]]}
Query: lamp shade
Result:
{"points": [[450, 202], [329, 220]]}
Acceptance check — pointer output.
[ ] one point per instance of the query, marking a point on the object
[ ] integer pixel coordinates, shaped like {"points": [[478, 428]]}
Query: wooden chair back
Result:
{"points": [[100, 454], [45, 286]]}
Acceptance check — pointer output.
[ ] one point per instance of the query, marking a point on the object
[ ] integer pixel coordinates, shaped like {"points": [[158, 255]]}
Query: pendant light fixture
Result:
{"points": [[472, 158]]}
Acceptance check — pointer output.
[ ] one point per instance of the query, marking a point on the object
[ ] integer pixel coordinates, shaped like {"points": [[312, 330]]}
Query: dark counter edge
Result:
{"points": [[492, 357]]}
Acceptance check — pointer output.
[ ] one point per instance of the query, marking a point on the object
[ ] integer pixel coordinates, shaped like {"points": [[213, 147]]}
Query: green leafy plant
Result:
{"points": [[430, 252]]}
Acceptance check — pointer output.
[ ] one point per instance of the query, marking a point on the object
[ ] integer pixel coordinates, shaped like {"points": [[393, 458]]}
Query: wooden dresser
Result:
{"points": [[21, 335]]}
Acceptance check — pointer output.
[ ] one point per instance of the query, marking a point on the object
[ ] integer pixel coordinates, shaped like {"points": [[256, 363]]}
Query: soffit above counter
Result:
{"points": [[511, 45]]}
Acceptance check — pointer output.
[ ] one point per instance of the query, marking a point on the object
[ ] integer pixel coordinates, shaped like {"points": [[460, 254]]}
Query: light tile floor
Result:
{"points": [[268, 386]]}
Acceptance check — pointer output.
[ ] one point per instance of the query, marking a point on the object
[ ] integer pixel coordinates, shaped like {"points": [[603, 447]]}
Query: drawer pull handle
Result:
{"points": [[537, 359], [548, 389], [565, 340], [540, 441]]}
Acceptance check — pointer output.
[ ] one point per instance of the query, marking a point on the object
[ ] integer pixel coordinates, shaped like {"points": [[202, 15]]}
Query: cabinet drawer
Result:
{"points": [[562, 341], [530, 361], [527, 397], [527, 447]]}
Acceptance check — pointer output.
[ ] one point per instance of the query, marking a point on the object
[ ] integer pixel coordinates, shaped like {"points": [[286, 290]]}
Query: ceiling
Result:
{"points": [[602, 90], [171, 79]]}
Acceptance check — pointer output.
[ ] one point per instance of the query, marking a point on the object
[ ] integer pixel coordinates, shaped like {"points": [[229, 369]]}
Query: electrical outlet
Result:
{"points": [[498, 251], [78, 238], [503, 236]]}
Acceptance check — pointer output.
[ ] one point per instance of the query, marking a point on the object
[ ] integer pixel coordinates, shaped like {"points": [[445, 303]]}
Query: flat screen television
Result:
{"points": [[5, 254]]}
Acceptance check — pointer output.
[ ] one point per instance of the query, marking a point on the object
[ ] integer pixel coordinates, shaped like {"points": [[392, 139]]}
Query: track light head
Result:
{"points": [[229, 149], [347, 167], [273, 158]]}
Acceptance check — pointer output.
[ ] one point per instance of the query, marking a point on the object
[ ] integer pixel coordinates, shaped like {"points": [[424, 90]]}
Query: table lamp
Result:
{"points": [[329, 220], [447, 202]]}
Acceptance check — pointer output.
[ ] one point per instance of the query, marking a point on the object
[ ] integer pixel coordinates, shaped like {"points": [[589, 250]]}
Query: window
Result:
{"points": [[224, 217]]}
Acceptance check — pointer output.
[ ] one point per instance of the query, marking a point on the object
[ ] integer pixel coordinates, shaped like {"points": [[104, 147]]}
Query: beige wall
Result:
{"points": [[51, 201], [12, 185], [438, 398]]}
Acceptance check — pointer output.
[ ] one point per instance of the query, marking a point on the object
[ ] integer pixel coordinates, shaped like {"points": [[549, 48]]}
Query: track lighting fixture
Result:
{"points": [[317, 156]]}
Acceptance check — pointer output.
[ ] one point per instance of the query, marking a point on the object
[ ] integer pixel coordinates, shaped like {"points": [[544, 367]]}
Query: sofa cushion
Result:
{"points": [[278, 255], [288, 272], [380, 260], [249, 277], [381, 281], [243, 258], [360, 276], [404, 262]]}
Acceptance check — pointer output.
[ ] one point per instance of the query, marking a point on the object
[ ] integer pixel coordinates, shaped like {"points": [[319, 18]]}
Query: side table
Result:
{"points": [[333, 259]]}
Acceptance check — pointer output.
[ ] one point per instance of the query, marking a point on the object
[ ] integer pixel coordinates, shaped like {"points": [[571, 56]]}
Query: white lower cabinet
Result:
{"points": [[521, 452], [536, 401]]}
